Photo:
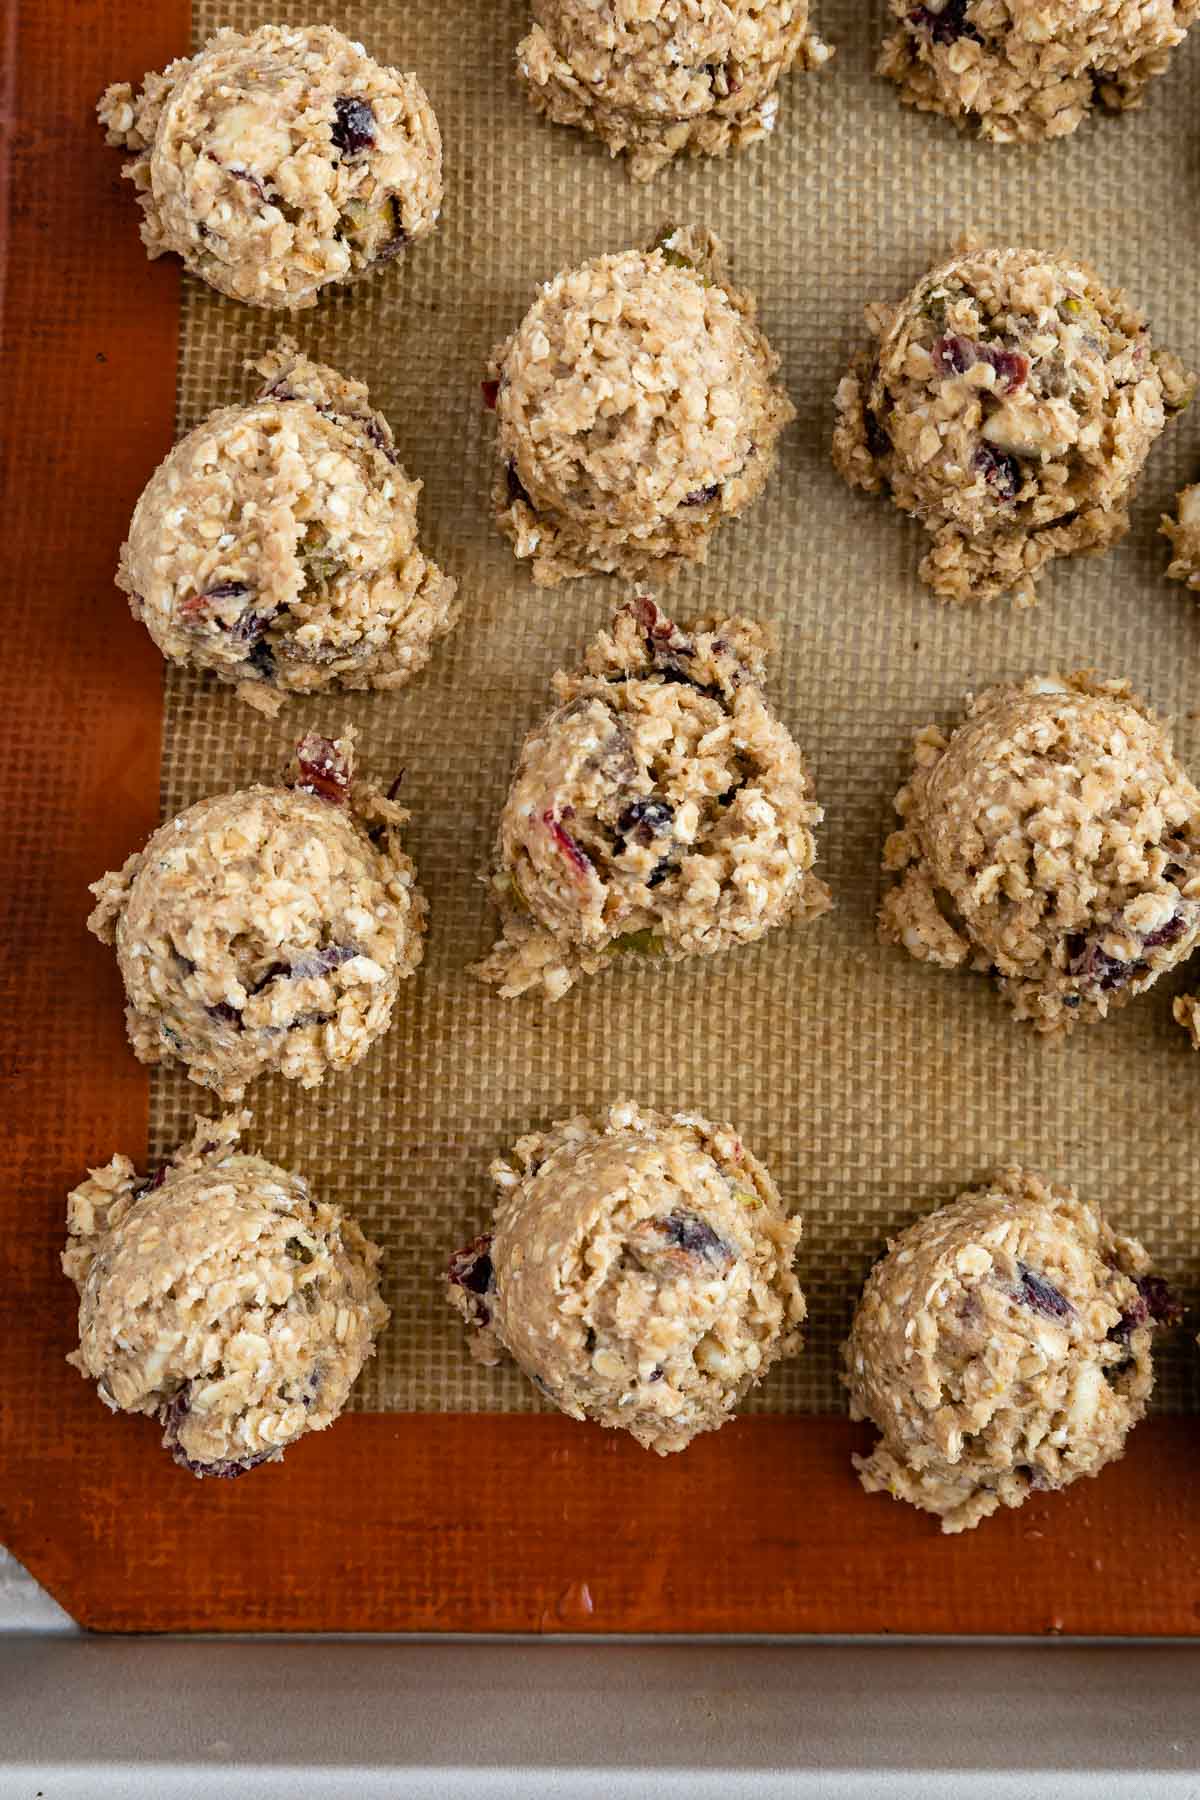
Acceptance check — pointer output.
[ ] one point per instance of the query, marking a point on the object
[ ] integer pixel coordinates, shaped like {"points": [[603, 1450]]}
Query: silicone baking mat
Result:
{"points": [[873, 1087]]}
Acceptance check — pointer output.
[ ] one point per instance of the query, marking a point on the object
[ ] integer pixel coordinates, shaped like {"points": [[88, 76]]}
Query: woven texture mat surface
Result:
{"points": [[873, 1088]]}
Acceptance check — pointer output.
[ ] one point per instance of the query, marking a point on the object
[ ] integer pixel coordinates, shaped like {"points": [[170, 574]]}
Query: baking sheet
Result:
{"points": [[874, 1088]]}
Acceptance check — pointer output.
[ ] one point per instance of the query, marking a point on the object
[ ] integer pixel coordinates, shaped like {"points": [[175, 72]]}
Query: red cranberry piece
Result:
{"points": [[1161, 1304], [472, 1270], [491, 393], [575, 854], [353, 129], [1000, 471], [680, 1239], [946, 26], [954, 355], [701, 496], [1042, 1295], [323, 771], [1169, 933]]}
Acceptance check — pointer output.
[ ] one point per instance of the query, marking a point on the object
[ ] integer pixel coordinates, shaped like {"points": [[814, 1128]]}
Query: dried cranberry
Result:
{"points": [[491, 393], [1095, 968], [701, 496], [1169, 933], [878, 441], [644, 820], [946, 26], [999, 470], [353, 129], [1041, 1295], [196, 605], [954, 355], [471, 1267], [574, 852], [1159, 1301], [681, 1235], [1011, 366], [375, 434], [323, 771], [1130, 1321]]}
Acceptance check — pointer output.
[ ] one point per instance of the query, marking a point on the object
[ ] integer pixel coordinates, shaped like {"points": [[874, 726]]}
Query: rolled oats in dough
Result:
{"points": [[654, 78], [276, 545], [1186, 1009], [278, 162], [1008, 402], [1184, 533], [222, 1298], [267, 930], [1052, 840], [1002, 1346], [1022, 70], [660, 811], [636, 408], [639, 1271]]}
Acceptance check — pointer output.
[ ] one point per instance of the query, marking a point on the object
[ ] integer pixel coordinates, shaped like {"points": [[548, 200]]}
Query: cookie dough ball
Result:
{"points": [[654, 78], [661, 810], [1184, 533], [1053, 841], [638, 1270], [267, 930], [1018, 71], [1008, 403], [1002, 1346], [636, 409], [276, 546], [221, 1298], [278, 162]]}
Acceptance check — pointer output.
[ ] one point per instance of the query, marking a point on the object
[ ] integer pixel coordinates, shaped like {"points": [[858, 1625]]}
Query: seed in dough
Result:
{"points": [[1051, 840], [1008, 403], [654, 78], [638, 1270], [267, 930], [1002, 1346], [276, 545], [660, 811], [636, 409], [1025, 70], [1184, 533], [279, 162], [221, 1298]]}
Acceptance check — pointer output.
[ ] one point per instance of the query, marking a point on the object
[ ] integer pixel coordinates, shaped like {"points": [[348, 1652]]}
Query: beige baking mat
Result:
{"points": [[874, 1088]]}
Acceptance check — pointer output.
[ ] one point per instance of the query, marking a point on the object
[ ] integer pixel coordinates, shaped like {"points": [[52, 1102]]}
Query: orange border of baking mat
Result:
{"points": [[390, 1522]]}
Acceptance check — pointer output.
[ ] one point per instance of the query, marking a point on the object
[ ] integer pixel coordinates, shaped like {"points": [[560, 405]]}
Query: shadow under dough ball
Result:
{"points": [[278, 162], [638, 1270], [221, 1298], [276, 545], [1008, 403], [636, 408], [1051, 840], [661, 811], [1002, 1347], [654, 79], [1018, 71], [267, 930]]}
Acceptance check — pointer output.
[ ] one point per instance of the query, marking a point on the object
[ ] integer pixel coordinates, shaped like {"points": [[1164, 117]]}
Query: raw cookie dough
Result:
{"points": [[661, 809], [1184, 533], [221, 1298], [1008, 404], [276, 163], [1022, 70], [276, 545], [1186, 1009], [635, 408], [638, 1270], [652, 78], [268, 929], [1053, 841], [1001, 1346]]}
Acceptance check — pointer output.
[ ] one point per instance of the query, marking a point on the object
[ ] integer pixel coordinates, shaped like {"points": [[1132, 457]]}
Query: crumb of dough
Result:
{"points": [[276, 545], [1021, 71], [661, 811], [1184, 533], [278, 162], [654, 79], [1186, 1011], [1051, 840], [1002, 1347], [636, 409], [1008, 403], [220, 1297], [638, 1270], [269, 929]]}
